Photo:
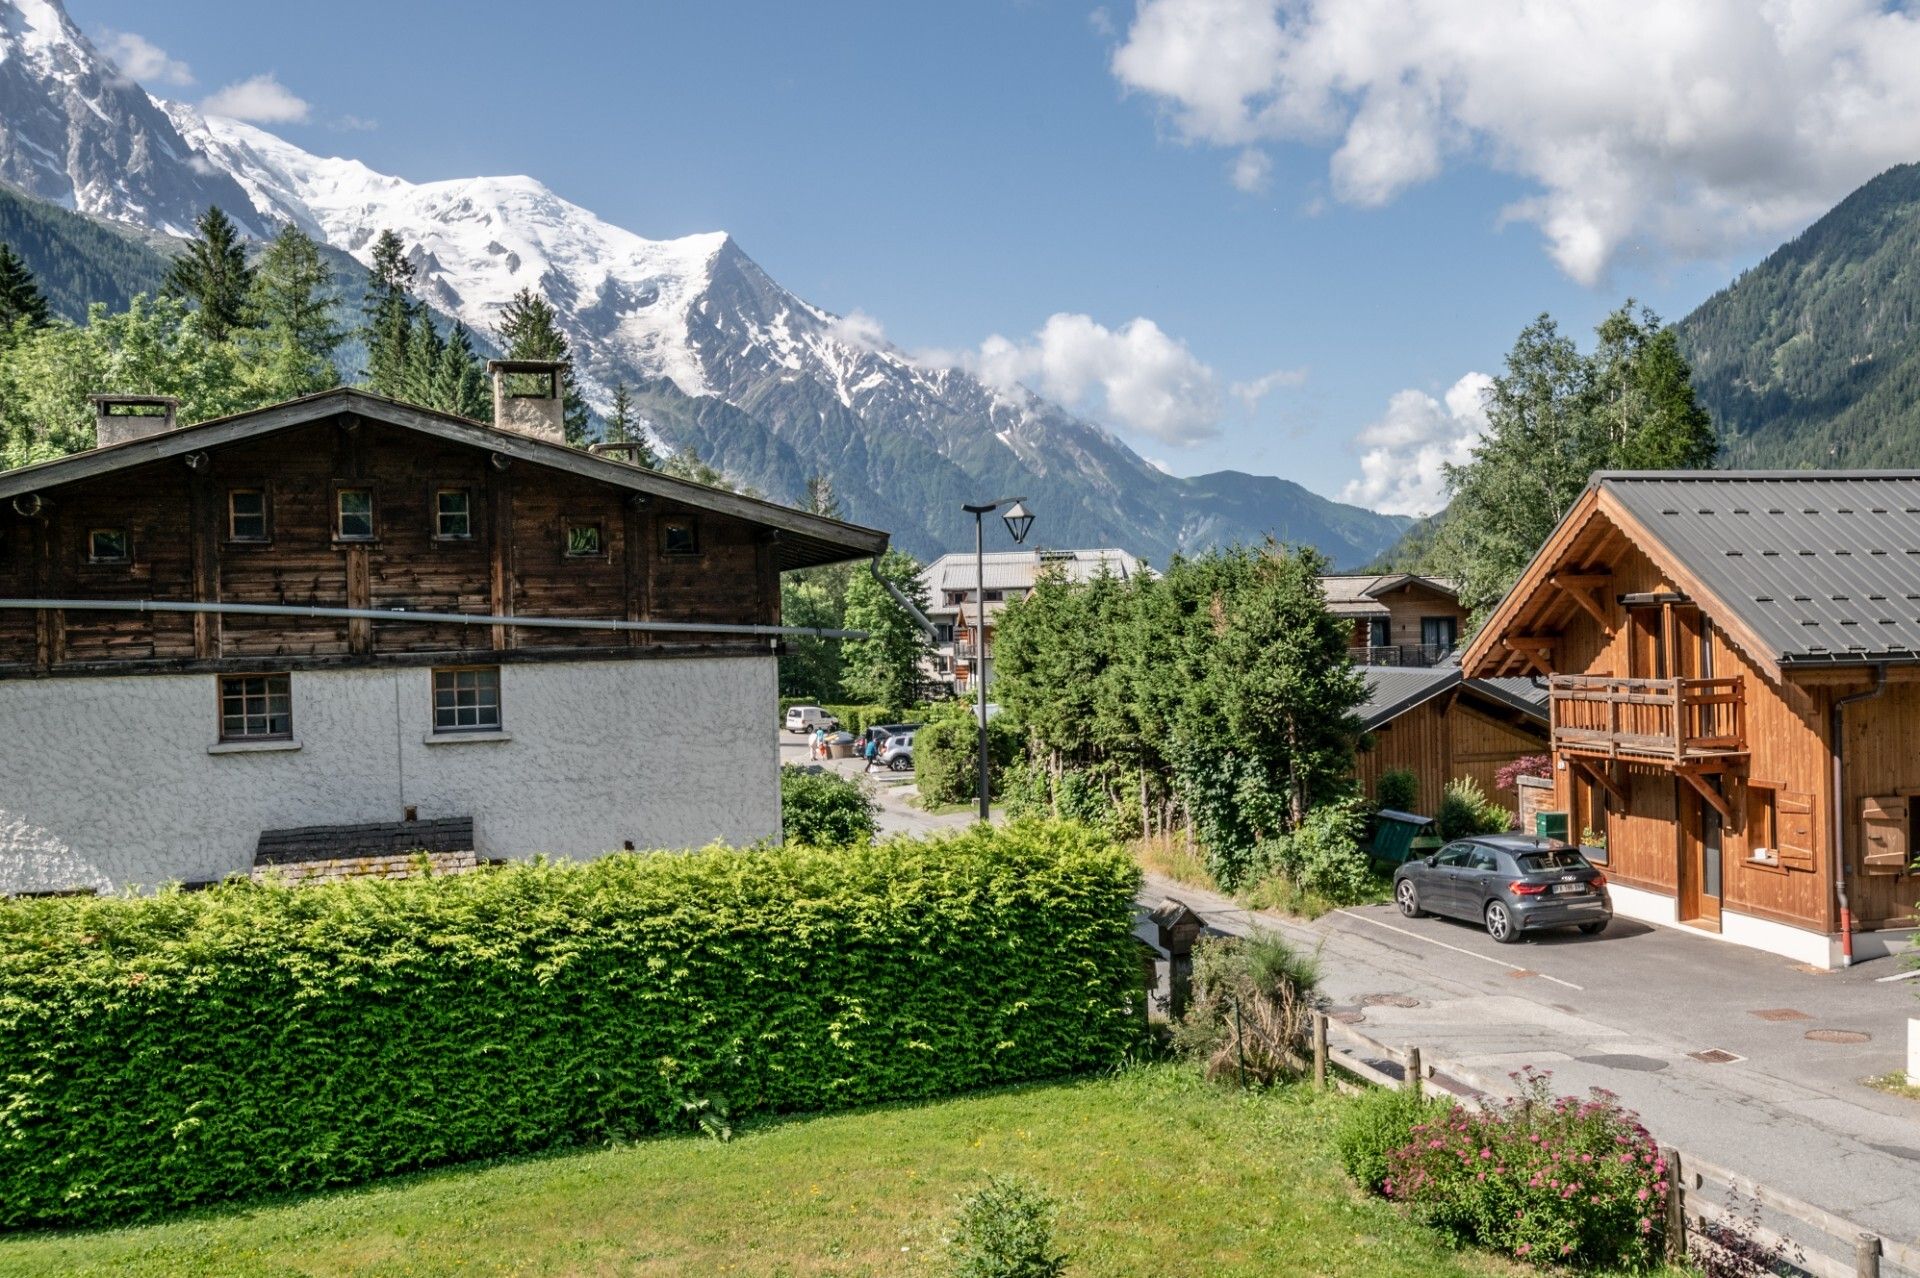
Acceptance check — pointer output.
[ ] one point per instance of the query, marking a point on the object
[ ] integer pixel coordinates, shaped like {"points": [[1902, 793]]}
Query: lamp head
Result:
{"points": [[1019, 519]]}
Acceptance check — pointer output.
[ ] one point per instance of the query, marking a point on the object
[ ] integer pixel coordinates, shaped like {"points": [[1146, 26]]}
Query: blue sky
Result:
{"points": [[965, 170]]}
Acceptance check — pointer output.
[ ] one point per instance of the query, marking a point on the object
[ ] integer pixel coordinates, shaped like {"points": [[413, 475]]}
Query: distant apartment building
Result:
{"points": [[1399, 618], [954, 591]]}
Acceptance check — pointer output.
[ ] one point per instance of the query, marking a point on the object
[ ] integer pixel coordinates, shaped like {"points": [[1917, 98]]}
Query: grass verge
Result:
{"points": [[1151, 1164], [1895, 1084]]}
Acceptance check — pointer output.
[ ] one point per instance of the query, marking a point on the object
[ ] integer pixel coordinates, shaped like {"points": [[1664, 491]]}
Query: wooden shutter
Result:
{"points": [[1795, 816], [1883, 835]]}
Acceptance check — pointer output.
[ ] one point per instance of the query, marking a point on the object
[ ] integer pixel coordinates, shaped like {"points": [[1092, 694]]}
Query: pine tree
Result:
{"points": [[290, 352], [213, 273], [21, 301], [388, 316], [529, 329], [624, 427], [459, 382], [422, 366]]}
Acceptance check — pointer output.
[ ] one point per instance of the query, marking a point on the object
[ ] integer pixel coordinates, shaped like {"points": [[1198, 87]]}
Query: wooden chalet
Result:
{"points": [[342, 613], [1733, 660], [1398, 618], [1430, 721]]}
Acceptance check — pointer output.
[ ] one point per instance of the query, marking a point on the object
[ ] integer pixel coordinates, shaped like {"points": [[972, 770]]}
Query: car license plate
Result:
{"points": [[1588, 904], [1569, 889]]}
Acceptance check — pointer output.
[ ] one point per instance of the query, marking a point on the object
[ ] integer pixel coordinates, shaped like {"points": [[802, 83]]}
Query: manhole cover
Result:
{"points": [[1644, 1064], [1521, 974], [1781, 1014], [1838, 1036], [1389, 1000], [1715, 1056], [1347, 1015]]}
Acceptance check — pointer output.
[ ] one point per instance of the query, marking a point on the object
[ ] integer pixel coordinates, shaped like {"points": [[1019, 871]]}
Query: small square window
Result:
{"points": [[256, 707], [678, 537], [108, 546], [355, 514], [247, 514], [583, 541], [453, 514], [467, 699]]}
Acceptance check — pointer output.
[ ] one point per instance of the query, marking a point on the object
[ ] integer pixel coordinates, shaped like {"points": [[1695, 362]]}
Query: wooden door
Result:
{"points": [[1702, 841], [1646, 642]]}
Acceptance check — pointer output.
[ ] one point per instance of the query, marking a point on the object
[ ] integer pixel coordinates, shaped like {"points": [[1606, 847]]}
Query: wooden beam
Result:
{"points": [[1579, 587], [1536, 649], [1600, 776], [1714, 799], [204, 533], [500, 577]]}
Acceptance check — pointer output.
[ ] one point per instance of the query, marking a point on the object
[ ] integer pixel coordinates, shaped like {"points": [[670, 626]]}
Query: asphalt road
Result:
{"points": [[1623, 1011], [893, 791]]}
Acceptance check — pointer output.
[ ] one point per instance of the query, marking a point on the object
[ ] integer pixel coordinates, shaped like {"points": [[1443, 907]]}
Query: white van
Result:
{"points": [[807, 718]]}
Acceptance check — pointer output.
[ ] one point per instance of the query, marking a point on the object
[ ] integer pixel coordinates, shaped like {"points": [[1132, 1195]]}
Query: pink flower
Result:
{"points": [[1642, 1194], [1485, 1152], [1523, 1249]]}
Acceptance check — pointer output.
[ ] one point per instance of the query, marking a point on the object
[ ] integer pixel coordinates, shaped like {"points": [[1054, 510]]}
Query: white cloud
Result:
{"points": [[1402, 453], [1135, 375], [1680, 127], [1251, 170], [143, 61], [1252, 392], [261, 99], [355, 123], [859, 330]]}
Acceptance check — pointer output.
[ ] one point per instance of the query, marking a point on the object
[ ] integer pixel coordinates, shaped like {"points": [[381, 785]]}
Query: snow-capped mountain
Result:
{"points": [[762, 384]]}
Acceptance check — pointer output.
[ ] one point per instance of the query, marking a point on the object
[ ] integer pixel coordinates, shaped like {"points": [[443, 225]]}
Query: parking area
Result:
{"points": [[1745, 1057], [894, 792]]}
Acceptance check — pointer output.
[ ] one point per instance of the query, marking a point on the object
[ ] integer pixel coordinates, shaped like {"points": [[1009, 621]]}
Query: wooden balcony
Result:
{"points": [[1399, 654], [1675, 722]]}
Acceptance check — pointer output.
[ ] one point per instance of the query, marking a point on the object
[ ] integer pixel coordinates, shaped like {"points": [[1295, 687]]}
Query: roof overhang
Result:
{"points": [[801, 540]]}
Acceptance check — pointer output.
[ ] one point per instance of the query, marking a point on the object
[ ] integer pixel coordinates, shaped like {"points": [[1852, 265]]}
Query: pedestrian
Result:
{"points": [[873, 751], [819, 742]]}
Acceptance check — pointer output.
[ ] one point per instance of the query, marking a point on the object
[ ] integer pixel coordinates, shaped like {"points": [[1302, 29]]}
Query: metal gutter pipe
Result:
{"points": [[919, 618], [423, 618], [1839, 810]]}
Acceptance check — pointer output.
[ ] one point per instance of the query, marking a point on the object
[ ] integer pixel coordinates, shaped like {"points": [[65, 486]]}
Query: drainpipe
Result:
{"points": [[919, 618], [1839, 810]]}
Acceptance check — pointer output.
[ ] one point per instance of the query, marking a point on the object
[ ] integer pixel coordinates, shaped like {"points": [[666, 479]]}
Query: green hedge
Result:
{"points": [[855, 717], [185, 1048], [824, 808], [946, 756]]}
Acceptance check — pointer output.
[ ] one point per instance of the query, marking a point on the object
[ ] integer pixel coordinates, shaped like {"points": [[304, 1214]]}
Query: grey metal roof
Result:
{"points": [[1822, 566], [1394, 690]]}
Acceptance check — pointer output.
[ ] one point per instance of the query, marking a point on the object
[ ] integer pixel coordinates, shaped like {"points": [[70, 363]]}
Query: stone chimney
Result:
{"points": [[526, 398], [119, 418]]}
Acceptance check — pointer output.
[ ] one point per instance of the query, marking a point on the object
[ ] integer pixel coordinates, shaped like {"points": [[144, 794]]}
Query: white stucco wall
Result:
{"points": [[106, 782]]}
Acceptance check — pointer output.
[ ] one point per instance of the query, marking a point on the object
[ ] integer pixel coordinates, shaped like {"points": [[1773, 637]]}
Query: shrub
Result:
{"points": [[1377, 1123], [1507, 776], [1398, 789], [1323, 857], [1005, 1230], [188, 1047], [824, 808], [946, 756], [1550, 1179], [858, 718], [1466, 810], [1252, 1001], [1737, 1246]]}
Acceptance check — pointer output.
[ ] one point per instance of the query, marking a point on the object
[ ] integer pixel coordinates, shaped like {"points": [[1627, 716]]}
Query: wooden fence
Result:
{"points": [[1339, 1049]]}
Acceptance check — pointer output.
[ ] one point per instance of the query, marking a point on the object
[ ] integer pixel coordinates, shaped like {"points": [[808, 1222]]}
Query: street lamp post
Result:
{"points": [[1018, 519]]}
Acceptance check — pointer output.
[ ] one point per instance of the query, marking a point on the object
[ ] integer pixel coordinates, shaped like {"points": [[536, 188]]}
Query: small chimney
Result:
{"points": [[526, 398], [119, 418]]}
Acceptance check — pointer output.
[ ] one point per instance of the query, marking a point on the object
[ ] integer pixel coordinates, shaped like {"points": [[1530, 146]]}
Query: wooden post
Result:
{"points": [[1866, 1256], [1320, 1050], [1413, 1070], [1676, 1210]]}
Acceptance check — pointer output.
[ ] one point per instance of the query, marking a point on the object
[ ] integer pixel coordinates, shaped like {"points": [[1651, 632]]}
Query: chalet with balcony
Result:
{"points": [[1430, 721], [1733, 660], [342, 628], [1399, 619], [954, 597]]}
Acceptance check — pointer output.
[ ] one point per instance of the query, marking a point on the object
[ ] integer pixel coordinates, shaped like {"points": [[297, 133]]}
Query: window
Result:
{"points": [[466, 699], [1763, 825], [453, 514], [1439, 632], [1482, 860], [246, 514], [354, 510], [679, 537], [584, 541], [108, 546], [1378, 633], [1455, 854], [256, 707]]}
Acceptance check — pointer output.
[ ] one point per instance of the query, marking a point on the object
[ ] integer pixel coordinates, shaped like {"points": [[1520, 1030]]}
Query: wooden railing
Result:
{"points": [[1666, 720], [1340, 1049]]}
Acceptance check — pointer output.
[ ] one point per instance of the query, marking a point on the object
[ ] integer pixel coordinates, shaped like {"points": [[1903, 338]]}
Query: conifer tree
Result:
{"points": [[214, 275], [624, 427], [421, 369], [290, 352], [529, 329], [20, 298], [387, 316], [459, 382]]}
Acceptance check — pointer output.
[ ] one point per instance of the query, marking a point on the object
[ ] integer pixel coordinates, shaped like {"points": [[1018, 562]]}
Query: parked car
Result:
{"points": [[897, 754], [884, 732], [807, 718], [1512, 883]]}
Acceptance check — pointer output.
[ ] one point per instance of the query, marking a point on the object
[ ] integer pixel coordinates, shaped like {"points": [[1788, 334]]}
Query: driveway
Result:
{"points": [[894, 792], [1624, 1011]]}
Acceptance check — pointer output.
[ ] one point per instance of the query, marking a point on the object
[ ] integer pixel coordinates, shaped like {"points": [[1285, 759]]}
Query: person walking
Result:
{"points": [[873, 752]]}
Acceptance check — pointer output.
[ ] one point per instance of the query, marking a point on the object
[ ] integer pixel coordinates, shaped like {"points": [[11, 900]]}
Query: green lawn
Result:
{"points": [[1160, 1173]]}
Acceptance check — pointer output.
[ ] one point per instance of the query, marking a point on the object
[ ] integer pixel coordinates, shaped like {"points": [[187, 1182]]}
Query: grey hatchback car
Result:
{"points": [[1513, 883]]}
